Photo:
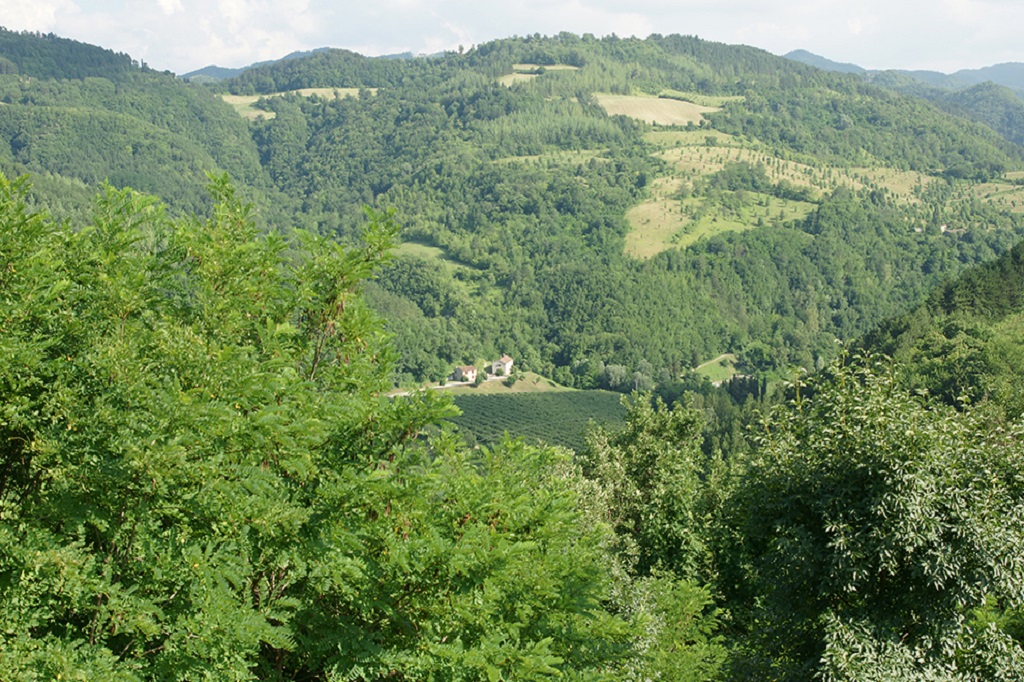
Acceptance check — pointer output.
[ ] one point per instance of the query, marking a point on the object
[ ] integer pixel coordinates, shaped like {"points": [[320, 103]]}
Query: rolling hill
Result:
{"points": [[559, 218]]}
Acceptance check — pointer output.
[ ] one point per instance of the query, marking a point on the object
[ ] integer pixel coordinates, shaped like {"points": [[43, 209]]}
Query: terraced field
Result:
{"points": [[670, 217]]}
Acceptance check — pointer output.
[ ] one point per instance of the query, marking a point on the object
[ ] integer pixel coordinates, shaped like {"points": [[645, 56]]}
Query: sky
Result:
{"points": [[184, 35]]}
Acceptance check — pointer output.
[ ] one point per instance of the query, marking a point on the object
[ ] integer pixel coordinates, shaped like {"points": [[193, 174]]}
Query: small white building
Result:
{"points": [[464, 373], [502, 367]]}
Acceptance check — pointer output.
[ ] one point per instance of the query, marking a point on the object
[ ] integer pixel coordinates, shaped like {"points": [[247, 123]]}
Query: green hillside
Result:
{"points": [[964, 344], [787, 208], [206, 471]]}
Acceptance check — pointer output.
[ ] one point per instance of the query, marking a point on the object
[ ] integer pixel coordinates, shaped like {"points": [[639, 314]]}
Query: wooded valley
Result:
{"points": [[219, 301]]}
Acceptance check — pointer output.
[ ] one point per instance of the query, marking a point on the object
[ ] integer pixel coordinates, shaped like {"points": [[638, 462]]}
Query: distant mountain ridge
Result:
{"points": [[992, 95], [214, 73], [811, 59], [1008, 74], [219, 73]]}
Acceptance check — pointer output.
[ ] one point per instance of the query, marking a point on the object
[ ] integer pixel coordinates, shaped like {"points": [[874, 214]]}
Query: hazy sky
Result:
{"points": [[183, 35]]}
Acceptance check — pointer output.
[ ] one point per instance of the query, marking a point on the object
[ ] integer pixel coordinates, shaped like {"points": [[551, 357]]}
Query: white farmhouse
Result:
{"points": [[465, 373], [502, 367]]}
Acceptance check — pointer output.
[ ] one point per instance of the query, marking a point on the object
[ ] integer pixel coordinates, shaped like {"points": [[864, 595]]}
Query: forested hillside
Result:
{"points": [[523, 193], [200, 479], [527, 208], [202, 476], [964, 344]]}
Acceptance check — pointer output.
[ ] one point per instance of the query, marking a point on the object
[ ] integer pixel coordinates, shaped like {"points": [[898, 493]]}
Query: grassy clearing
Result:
{"points": [[654, 110], [523, 73], [526, 382], [244, 104], [429, 252], [664, 221], [654, 222], [511, 79], [419, 250], [560, 418], [525, 68], [902, 184], [706, 159], [719, 369], [1003, 194], [666, 139]]}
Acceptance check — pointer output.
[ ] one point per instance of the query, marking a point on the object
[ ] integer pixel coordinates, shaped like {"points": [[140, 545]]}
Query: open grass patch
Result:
{"points": [[430, 252], [902, 184], [1007, 196], [666, 139], [556, 418], [654, 110], [526, 382], [245, 104], [510, 79], [718, 369], [664, 221], [531, 68]]}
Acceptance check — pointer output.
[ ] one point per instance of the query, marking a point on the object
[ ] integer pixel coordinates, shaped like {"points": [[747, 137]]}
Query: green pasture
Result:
{"points": [[524, 68], [718, 369], [664, 221], [654, 110], [245, 104]]}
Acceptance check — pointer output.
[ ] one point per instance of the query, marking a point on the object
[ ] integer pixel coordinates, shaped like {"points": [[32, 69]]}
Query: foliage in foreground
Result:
{"points": [[873, 537], [198, 479]]}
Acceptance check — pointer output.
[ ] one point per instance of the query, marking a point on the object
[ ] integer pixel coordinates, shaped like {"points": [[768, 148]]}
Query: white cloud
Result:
{"points": [[187, 34], [37, 15], [171, 6]]}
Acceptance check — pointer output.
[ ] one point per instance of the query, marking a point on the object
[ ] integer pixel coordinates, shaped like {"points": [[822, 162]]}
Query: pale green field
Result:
{"points": [[546, 67], [419, 250], [719, 369], [523, 73], [1003, 194], [689, 138], [900, 183], [511, 79], [429, 252], [664, 222], [654, 110], [528, 382], [243, 104], [702, 159]]}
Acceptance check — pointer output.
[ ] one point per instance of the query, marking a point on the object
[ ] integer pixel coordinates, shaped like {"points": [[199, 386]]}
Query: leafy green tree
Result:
{"points": [[868, 528], [200, 480], [655, 488]]}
